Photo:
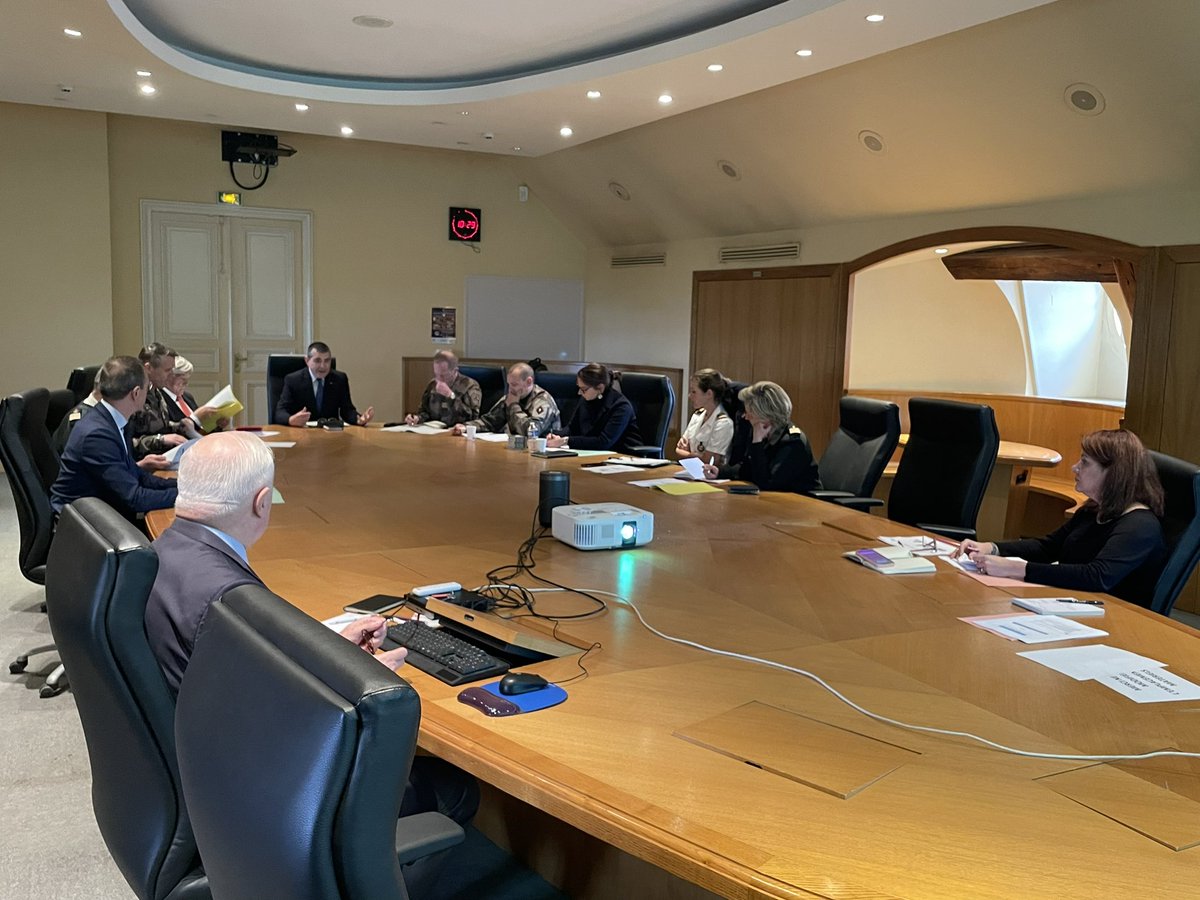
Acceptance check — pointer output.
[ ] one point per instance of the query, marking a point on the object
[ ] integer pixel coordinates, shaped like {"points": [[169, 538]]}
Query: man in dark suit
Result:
{"points": [[224, 507], [318, 391], [98, 458]]}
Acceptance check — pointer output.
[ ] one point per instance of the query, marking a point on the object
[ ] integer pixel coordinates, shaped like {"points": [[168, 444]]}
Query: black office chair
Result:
{"points": [[60, 403], [492, 385], [1181, 527], [31, 466], [739, 446], [294, 749], [101, 571], [564, 388], [80, 382], [653, 400], [945, 466], [868, 432], [279, 366]]}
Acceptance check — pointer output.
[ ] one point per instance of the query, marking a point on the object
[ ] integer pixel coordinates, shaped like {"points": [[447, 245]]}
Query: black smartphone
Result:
{"points": [[376, 605], [743, 489]]}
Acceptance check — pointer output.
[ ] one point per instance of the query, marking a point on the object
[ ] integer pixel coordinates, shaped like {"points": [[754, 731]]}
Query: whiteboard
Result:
{"points": [[521, 318]]}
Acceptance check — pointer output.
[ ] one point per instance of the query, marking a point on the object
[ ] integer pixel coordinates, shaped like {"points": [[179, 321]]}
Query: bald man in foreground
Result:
{"points": [[223, 508]]}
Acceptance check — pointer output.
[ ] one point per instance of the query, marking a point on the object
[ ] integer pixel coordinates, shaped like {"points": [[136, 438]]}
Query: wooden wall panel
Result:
{"points": [[784, 325]]}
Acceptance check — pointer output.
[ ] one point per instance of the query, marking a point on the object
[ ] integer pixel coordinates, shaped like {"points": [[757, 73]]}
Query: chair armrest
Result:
{"points": [[847, 499], [424, 834], [646, 450], [951, 531], [829, 495]]}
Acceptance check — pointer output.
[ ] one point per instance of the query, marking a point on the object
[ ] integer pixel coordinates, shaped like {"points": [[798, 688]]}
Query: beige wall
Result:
{"points": [[381, 257], [55, 269], [913, 327]]}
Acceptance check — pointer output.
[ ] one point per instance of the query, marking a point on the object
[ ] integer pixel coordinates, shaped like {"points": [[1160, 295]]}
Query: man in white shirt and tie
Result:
{"points": [[318, 391]]}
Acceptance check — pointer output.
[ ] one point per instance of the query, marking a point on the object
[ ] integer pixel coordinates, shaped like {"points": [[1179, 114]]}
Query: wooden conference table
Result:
{"points": [[750, 781]]}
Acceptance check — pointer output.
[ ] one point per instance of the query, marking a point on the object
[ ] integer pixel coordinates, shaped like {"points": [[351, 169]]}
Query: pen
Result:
{"points": [[1082, 602]]}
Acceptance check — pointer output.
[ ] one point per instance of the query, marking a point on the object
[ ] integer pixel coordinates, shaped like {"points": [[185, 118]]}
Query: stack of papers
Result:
{"points": [[227, 406], [1059, 606], [1033, 629], [1139, 678], [641, 462], [693, 470], [427, 428]]}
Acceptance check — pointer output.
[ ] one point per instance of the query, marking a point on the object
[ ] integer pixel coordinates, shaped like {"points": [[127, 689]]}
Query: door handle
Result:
{"points": [[239, 359]]}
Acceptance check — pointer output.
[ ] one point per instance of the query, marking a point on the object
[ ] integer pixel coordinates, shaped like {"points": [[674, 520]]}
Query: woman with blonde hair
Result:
{"points": [[1113, 544], [779, 457]]}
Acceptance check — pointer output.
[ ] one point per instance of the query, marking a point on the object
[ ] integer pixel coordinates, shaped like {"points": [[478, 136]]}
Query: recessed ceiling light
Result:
{"points": [[517, 148], [942, 251], [301, 107], [347, 131], [372, 22], [875, 17], [72, 32], [1084, 99], [728, 169], [566, 131], [618, 190], [715, 67], [805, 52], [148, 89], [873, 141], [464, 112], [593, 95], [142, 73], [665, 99]]}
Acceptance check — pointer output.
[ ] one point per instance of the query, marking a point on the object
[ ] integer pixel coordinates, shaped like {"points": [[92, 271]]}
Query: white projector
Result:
{"points": [[602, 526]]}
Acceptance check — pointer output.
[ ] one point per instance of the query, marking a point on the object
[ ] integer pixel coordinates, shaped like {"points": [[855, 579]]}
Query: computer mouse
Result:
{"points": [[521, 683]]}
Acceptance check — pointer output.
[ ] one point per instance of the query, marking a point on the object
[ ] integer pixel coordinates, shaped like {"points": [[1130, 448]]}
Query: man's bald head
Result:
{"points": [[223, 481]]}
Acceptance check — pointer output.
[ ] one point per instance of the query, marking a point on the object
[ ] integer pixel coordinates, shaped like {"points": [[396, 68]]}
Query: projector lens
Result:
{"points": [[628, 533]]}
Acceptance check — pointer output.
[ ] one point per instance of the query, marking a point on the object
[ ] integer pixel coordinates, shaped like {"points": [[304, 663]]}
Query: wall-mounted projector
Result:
{"points": [[602, 526]]}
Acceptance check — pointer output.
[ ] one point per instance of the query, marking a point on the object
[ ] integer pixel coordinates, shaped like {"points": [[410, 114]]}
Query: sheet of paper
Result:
{"points": [[176, 453], [337, 623], [276, 497], [654, 482], [693, 467], [641, 462], [678, 487], [921, 546], [265, 433], [492, 438], [967, 567], [611, 469], [222, 397], [1030, 628], [1091, 661], [418, 429], [593, 452], [1151, 686], [284, 444]]}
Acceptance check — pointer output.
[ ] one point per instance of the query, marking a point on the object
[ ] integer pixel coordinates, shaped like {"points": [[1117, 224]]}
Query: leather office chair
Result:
{"points": [[80, 382], [492, 385], [868, 432], [742, 430], [564, 388], [101, 571], [945, 466], [31, 466], [1181, 527], [279, 366], [653, 399], [60, 403], [294, 748]]}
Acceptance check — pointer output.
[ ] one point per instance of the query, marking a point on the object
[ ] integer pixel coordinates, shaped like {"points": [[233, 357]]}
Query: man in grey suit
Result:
{"points": [[224, 507]]}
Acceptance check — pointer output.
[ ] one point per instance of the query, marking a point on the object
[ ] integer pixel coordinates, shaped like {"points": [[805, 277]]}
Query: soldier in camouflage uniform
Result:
{"points": [[525, 404], [151, 428], [450, 398]]}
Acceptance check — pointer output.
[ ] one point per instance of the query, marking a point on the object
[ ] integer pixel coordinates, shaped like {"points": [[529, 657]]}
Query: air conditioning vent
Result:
{"points": [[631, 262], [757, 254]]}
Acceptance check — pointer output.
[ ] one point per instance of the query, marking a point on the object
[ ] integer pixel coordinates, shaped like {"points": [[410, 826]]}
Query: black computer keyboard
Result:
{"points": [[444, 656]]}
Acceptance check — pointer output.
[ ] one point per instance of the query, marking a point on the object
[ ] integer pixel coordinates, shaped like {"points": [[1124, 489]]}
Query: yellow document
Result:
{"points": [[688, 487]]}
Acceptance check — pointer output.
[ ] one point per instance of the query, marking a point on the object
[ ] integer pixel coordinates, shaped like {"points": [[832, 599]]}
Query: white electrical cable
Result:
{"points": [[928, 729]]}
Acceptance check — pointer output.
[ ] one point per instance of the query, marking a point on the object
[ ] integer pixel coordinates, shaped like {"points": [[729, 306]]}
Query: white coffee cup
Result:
{"points": [[537, 445], [469, 431]]}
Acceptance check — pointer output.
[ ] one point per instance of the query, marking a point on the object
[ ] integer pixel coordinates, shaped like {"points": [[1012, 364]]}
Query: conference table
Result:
{"points": [[744, 779]]}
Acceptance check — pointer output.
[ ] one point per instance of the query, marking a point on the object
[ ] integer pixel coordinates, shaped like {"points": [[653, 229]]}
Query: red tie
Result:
{"points": [[183, 405]]}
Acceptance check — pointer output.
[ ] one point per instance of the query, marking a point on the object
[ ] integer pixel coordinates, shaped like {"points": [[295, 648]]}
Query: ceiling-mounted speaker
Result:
{"points": [[1084, 99]]}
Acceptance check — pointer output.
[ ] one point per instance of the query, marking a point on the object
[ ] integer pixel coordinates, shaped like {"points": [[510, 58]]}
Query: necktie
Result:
{"points": [[127, 439], [320, 395], [184, 408]]}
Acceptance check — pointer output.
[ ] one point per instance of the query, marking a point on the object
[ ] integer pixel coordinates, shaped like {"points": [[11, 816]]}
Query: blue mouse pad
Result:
{"points": [[488, 699]]}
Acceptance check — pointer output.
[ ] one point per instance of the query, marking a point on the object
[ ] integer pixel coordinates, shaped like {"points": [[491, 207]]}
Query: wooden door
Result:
{"points": [[226, 288], [786, 325]]}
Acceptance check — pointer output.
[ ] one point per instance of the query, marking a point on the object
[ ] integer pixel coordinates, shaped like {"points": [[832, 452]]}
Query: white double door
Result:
{"points": [[227, 287]]}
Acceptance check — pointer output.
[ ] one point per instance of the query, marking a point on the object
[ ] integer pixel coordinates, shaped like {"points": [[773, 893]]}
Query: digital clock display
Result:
{"points": [[465, 224]]}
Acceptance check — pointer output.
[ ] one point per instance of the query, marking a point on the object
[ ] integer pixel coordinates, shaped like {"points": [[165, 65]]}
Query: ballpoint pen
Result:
{"points": [[1082, 602]]}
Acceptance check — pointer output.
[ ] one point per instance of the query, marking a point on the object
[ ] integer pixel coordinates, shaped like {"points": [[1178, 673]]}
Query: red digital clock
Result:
{"points": [[465, 224]]}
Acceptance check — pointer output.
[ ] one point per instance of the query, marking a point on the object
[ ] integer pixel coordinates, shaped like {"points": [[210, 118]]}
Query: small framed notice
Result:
{"points": [[443, 327]]}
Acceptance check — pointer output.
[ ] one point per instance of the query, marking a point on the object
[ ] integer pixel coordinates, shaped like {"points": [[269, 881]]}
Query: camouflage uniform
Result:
{"points": [[150, 425], [462, 406], [537, 407]]}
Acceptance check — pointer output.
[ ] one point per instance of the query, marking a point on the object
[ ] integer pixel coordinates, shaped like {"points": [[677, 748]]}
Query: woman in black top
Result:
{"points": [[603, 419], [1113, 544], [779, 457]]}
